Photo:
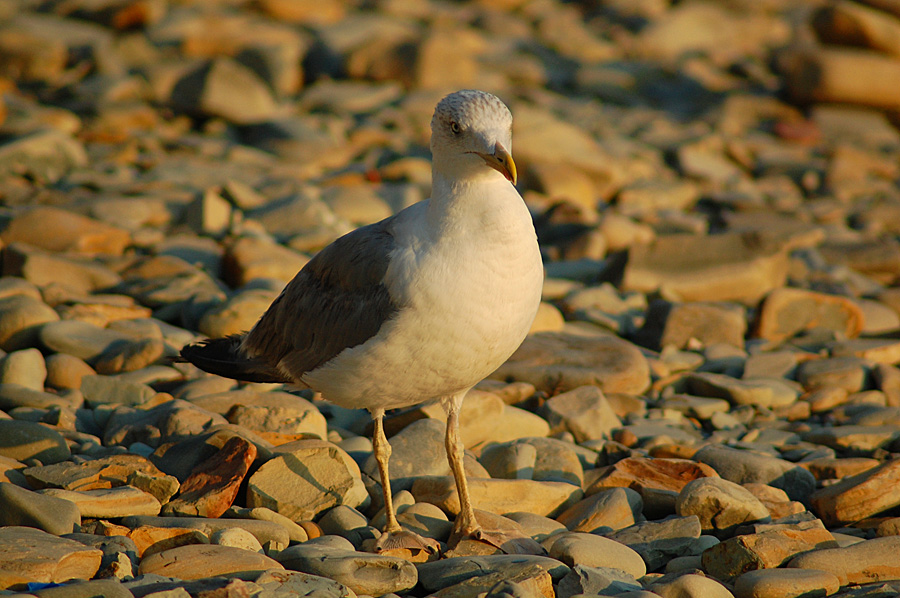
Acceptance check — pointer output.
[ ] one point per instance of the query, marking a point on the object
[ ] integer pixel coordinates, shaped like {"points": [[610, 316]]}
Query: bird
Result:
{"points": [[416, 308]]}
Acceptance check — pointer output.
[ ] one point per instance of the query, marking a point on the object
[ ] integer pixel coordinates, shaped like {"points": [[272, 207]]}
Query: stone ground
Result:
{"points": [[709, 404]]}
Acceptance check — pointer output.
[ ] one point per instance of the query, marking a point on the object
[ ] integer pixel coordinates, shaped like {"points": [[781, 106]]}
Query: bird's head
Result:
{"points": [[471, 136]]}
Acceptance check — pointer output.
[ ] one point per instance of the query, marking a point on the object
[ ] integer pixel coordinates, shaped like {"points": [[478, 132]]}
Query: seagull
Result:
{"points": [[418, 307]]}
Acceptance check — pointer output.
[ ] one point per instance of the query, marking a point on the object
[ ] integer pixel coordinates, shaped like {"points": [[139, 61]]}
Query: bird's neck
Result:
{"points": [[487, 197]]}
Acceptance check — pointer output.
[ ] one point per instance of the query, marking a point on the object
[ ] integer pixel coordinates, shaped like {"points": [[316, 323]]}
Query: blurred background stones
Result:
{"points": [[709, 401]]}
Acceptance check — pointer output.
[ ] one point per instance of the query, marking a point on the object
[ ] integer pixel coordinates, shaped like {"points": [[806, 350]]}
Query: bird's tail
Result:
{"points": [[223, 357]]}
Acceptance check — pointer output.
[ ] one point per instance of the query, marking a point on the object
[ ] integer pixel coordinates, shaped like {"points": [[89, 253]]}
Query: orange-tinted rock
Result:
{"points": [[858, 496], [787, 311], [213, 485], [638, 473], [60, 230]]}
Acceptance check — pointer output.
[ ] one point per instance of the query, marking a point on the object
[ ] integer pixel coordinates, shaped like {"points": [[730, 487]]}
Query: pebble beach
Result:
{"points": [[708, 403]]}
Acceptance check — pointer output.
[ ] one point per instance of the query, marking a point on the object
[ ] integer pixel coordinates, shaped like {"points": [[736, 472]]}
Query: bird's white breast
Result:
{"points": [[468, 284]]}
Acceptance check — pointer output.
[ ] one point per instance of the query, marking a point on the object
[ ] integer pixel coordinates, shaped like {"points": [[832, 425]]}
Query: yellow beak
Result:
{"points": [[502, 162]]}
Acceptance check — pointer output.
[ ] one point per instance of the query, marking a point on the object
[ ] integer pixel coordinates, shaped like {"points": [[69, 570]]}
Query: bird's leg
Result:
{"points": [[466, 525], [394, 538], [382, 450]]}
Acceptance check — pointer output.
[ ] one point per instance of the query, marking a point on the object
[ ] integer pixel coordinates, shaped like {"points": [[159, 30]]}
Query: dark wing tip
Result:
{"points": [[223, 357]]}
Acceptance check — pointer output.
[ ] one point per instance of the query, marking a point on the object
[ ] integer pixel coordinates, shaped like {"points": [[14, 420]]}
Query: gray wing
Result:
{"points": [[338, 300]]}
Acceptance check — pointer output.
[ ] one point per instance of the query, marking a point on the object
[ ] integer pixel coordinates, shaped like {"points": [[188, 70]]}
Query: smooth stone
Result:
{"points": [[25, 368], [582, 411], [740, 466], [538, 527], [49, 513], [363, 573], [120, 555], [596, 581], [108, 588], [785, 583], [59, 230], [237, 314], [691, 585], [418, 449], [510, 461], [278, 412], [607, 510], [723, 267], [196, 561], [870, 561], [78, 275], [578, 548], [788, 311], [38, 556], [523, 581], [80, 339], [110, 503], [167, 421], [129, 356], [720, 504], [14, 396], [24, 440], [250, 258], [66, 371], [448, 572], [296, 533], [767, 549], [271, 535], [660, 541], [858, 496], [559, 361], [426, 520], [214, 484], [306, 478], [680, 325], [21, 317], [498, 496], [555, 460], [110, 390], [224, 88], [855, 440], [279, 581], [105, 472], [761, 392], [236, 538], [848, 373]]}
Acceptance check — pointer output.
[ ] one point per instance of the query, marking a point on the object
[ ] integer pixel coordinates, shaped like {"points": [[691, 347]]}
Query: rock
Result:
{"points": [[14, 396], [776, 583], [224, 88], [236, 537], [583, 411], [690, 585], [24, 507], [306, 478], [109, 503], [196, 561], [498, 496], [576, 548], [105, 472], [768, 549], [249, 258], [762, 392], [110, 588], [278, 412], [556, 362], [682, 324], [866, 562], [36, 556], [788, 311], [596, 581], [418, 449], [725, 267], [658, 542], [720, 504], [448, 572], [526, 579], [20, 319], [168, 421], [121, 357], [858, 496], [848, 373], [80, 339], [237, 314], [78, 275], [744, 466], [213, 484], [180, 458], [640, 474], [607, 510], [554, 460], [66, 371], [59, 230], [296, 533], [363, 573], [272, 536], [25, 368], [23, 440], [296, 582]]}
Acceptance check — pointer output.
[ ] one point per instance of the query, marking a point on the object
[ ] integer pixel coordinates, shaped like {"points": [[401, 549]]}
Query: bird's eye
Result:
{"points": [[454, 126]]}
